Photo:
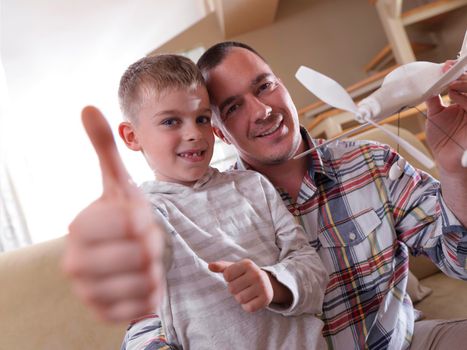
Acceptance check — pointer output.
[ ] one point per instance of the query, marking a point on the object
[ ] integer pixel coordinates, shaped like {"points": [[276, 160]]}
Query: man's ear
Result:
{"points": [[128, 135], [220, 134]]}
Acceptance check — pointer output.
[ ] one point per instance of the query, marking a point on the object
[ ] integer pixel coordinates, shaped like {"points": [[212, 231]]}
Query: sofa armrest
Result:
{"points": [[38, 309]]}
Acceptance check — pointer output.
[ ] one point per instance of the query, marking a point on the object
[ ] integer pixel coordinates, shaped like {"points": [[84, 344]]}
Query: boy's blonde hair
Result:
{"points": [[151, 76]]}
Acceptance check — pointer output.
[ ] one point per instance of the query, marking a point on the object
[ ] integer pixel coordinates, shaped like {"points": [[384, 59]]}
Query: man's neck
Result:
{"points": [[288, 175]]}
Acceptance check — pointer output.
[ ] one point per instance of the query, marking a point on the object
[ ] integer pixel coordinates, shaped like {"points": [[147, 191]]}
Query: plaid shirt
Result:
{"points": [[367, 226]]}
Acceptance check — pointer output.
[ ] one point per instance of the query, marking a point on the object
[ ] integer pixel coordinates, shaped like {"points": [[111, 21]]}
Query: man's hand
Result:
{"points": [[446, 128], [253, 288], [114, 250], [446, 134]]}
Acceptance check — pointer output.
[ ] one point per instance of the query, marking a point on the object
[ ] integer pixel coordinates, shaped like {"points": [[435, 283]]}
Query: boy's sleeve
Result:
{"points": [[146, 333], [299, 267]]}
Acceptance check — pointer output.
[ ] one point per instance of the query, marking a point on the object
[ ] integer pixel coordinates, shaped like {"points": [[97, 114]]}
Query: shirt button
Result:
{"points": [[296, 212], [352, 236]]}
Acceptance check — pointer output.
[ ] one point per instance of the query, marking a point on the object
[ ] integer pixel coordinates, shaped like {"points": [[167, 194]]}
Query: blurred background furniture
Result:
{"points": [[38, 310], [395, 21]]}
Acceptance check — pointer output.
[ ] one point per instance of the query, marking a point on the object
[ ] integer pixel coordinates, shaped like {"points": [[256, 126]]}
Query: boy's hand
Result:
{"points": [[250, 286], [115, 248]]}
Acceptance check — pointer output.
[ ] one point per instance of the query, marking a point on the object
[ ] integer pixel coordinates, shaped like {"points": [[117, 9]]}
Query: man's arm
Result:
{"points": [[446, 134]]}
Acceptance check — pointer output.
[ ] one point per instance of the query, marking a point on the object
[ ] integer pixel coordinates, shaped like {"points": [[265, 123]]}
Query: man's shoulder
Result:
{"points": [[354, 148]]}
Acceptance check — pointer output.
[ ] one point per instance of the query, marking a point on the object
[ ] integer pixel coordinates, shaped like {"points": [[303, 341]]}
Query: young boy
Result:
{"points": [[240, 262]]}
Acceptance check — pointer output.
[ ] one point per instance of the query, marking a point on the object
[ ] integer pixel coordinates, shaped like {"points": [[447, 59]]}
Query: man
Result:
{"points": [[367, 223]]}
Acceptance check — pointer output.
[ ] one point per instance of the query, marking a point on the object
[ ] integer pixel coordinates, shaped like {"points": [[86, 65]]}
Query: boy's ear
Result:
{"points": [[128, 135], [220, 134]]}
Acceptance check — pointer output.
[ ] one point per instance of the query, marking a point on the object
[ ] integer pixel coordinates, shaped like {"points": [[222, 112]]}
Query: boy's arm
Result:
{"points": [[294, 285], [115, 250], [299, 268], [253, 288]]}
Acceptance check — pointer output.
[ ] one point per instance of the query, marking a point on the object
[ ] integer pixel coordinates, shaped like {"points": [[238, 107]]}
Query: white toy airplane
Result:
{"points": [[405, 87]]}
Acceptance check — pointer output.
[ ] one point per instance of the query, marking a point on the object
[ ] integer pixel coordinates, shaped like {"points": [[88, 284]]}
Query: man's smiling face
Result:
{"points": [[256, 113]]}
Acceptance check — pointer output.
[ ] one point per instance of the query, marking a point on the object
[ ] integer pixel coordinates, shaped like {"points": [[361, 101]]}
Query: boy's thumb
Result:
{"points": [[219, 266]]}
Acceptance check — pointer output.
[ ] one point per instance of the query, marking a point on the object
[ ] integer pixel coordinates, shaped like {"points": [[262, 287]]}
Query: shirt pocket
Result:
{"points": [[350, 231]]}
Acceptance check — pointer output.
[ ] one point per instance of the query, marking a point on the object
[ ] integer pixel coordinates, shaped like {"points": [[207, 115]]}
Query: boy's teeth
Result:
{"points": [[187, 154]]}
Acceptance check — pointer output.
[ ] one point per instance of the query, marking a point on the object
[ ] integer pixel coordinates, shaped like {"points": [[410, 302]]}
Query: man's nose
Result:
{"points": [[258, 109]]}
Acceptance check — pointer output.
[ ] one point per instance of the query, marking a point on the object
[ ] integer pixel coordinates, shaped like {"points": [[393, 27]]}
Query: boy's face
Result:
{"points": [[258, 115], [173, 130]]}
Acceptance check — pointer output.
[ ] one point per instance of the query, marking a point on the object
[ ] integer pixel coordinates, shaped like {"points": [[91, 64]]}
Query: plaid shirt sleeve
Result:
{"points": [[146, 333], [425, 223]]}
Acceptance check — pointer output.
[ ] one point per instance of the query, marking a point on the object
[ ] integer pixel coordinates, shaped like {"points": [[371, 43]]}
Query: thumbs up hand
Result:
{"points": [[249, 285], [114, 251]]}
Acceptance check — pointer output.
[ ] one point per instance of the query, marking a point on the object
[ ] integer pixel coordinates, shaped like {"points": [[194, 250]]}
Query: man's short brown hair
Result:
{"points": [[152, 75]]}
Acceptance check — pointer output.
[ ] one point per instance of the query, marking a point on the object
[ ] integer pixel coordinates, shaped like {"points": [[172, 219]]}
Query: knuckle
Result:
{"points": [[248, 308], [248, 263], [231, 289], [241, 299], [227, 275]]}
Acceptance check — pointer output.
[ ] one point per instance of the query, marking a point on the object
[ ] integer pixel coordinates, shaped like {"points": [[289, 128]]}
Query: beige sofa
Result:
{"points": [[37, 310], [448, 296]]}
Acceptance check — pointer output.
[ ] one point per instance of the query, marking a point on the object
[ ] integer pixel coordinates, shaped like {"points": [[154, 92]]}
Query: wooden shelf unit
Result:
{"points": [[394, 22]]}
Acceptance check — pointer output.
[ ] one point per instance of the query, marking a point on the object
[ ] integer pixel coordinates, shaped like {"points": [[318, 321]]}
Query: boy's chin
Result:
{"points": [[192, 177]]}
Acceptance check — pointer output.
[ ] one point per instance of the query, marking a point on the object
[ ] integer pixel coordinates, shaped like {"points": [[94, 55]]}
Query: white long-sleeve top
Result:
{"points": [[233, 216]]}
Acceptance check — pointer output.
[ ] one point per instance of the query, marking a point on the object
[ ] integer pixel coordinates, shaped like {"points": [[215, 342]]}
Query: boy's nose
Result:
{"points": [[193, 133]]}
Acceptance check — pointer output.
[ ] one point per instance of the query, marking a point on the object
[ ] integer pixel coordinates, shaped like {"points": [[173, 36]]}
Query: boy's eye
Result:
{"points": [[170, 122], [203, 120]]}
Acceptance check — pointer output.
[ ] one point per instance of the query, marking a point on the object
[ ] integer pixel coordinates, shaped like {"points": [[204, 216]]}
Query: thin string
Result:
{"points": [[439, 128], [398, 128]]}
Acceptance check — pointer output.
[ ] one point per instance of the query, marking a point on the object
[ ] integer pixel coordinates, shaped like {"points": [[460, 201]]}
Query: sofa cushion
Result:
{"points": [[422, 267], [448, 300], [38, 311], [416, 290]]}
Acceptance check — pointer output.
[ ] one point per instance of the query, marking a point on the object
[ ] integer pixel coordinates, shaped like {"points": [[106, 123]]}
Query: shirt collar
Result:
{"points": [[156, 186], [319, 158]]}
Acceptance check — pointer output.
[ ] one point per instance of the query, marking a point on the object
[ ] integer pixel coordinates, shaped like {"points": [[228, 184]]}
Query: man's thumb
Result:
{"points": [[219, 266], [434, 105]]}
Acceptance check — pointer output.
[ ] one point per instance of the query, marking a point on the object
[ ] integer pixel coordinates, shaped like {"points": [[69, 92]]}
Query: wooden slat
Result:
{"points": [[396, 34], [429, 10], [386, 51]]}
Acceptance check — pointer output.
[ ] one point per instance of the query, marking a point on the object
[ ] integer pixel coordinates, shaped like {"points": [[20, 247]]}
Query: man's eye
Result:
{"points": [[232, 109], [265, 86], [203, 120]]}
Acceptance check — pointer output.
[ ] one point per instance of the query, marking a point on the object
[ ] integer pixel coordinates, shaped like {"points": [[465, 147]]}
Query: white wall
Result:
{"points": [[335, 37]]}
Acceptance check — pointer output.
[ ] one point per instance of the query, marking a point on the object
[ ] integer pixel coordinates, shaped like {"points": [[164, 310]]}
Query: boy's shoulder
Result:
{"points": [[249, 182], [239, 175]]}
